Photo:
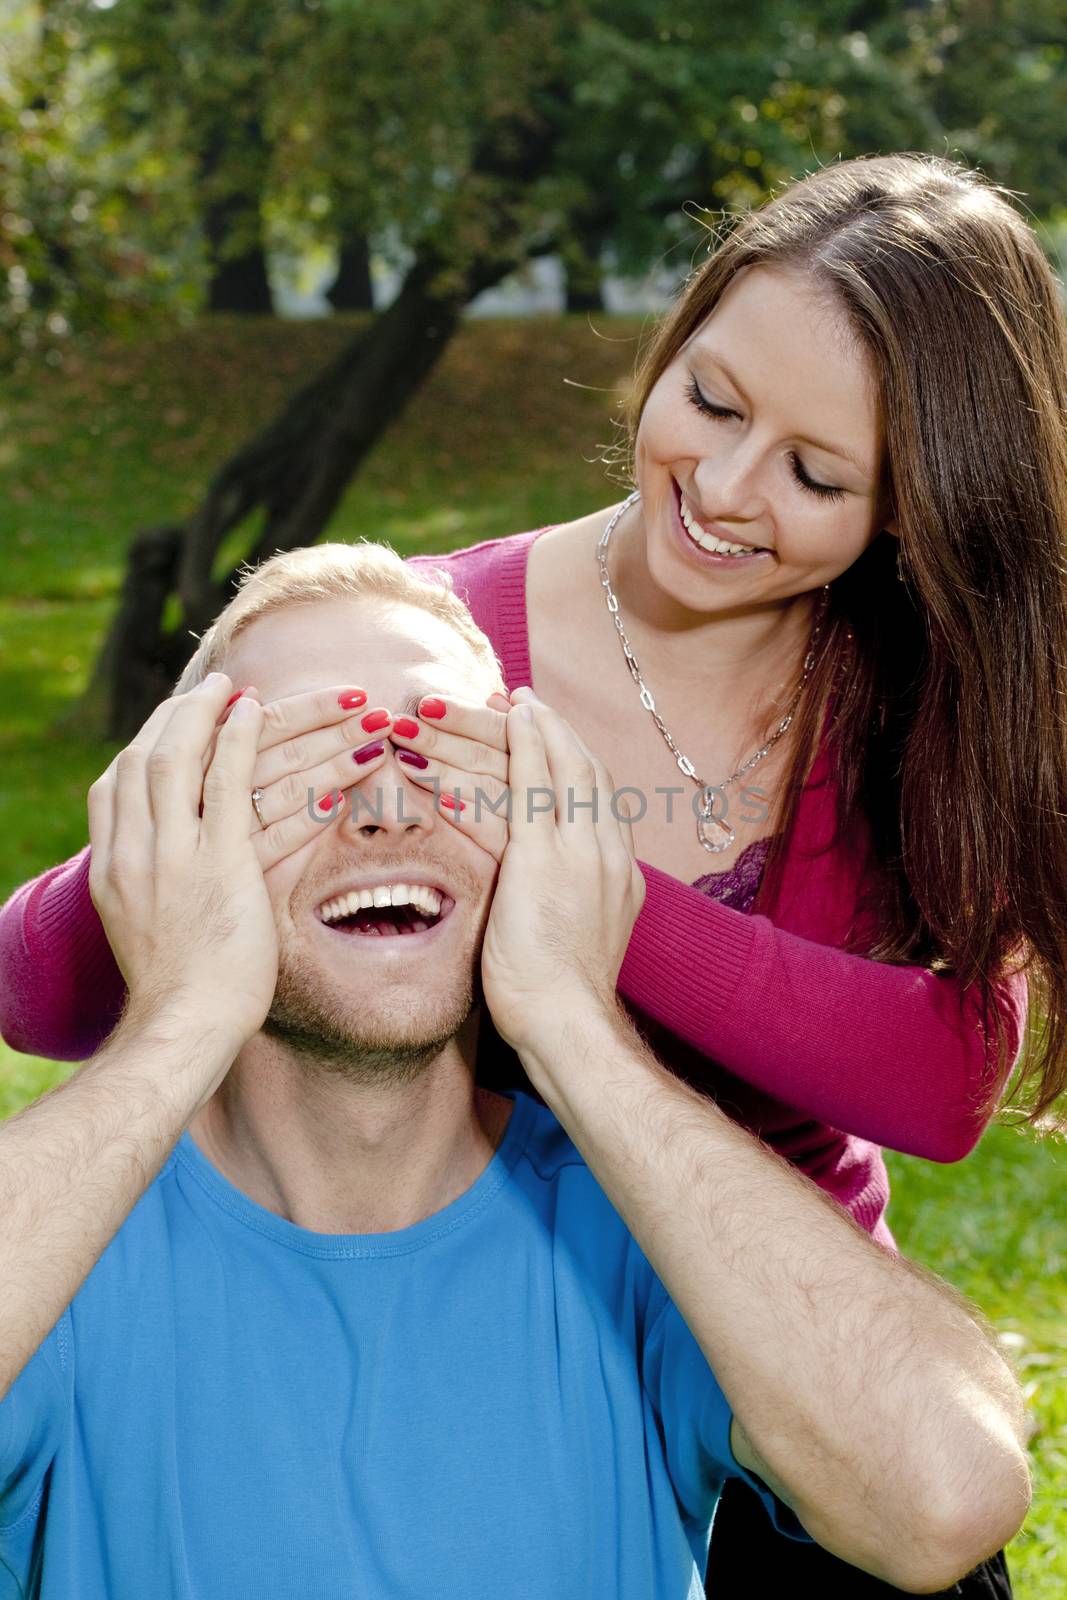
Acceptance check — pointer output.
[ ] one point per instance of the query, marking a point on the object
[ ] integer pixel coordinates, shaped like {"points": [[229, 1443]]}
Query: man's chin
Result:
{"points": [[324, 1029]]}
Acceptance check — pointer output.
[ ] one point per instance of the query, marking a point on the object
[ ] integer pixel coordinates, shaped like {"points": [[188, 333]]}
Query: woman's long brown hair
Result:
{"points": [[948, 728]]}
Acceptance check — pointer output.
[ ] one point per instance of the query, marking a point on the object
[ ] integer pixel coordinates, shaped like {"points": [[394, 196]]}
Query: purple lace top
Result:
{"points": [[738, 885]]}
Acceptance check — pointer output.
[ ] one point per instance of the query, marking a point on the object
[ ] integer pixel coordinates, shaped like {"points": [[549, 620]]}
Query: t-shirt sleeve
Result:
{"points": [[33, 1416], [694, 1418]]}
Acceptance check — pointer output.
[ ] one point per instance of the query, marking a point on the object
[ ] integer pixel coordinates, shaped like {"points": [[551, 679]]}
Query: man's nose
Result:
{"points": [[387, 802]]}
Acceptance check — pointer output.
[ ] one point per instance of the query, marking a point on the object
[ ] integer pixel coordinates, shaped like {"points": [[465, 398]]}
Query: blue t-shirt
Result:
{"points": [[498, 1403]]}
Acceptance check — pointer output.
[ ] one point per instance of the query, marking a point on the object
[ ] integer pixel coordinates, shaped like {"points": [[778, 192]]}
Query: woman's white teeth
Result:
{"points": [[428, 901], [708, 541]]}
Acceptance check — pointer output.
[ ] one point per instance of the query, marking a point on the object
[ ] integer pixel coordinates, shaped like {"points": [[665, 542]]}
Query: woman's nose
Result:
{"points": [[730, 482]]}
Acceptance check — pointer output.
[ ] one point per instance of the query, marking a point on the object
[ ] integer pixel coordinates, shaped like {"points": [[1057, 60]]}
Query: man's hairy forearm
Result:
{"points": [[867, 1393], [74, 1164]]}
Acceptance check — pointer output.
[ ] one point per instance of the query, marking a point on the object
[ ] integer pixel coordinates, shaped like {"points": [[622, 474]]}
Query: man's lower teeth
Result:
{"points": [[383, 929], [386, 930]]}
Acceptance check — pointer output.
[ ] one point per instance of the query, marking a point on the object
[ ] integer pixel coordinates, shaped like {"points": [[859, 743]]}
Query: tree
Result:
{"points": [[475, 225]]}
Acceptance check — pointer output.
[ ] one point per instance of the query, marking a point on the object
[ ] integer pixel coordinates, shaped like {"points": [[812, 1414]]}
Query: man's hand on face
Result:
{"points": [[174, 873], [569, 889]]}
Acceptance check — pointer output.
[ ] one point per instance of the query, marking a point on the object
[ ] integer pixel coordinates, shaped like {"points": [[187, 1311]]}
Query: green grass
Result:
{"points": [[505, 436]]}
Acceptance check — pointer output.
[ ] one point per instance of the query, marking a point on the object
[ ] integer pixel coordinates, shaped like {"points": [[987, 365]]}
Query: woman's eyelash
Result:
{"points": [[824, 491]]}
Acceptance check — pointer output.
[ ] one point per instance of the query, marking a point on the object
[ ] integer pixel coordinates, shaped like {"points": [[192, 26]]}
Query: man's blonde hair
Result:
{"points": [[362, 570]]}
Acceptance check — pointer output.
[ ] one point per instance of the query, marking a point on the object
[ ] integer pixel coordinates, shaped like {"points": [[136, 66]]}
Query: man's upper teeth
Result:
{"points": [[426, 900], [708, 541]]}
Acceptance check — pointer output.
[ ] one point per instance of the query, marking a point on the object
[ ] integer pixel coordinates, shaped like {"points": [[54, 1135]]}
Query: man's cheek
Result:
{"points": [[283, 877]]}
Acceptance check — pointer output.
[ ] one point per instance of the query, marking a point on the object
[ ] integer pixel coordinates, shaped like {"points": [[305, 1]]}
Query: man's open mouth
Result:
{"points": [[386, 910]]}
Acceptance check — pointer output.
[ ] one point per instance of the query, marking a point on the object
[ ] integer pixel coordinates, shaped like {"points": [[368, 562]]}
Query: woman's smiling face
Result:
{"points": [[765, 432]]}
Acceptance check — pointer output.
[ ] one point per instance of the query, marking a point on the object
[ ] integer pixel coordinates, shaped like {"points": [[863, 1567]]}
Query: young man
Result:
{"points": [[292, 1307]]}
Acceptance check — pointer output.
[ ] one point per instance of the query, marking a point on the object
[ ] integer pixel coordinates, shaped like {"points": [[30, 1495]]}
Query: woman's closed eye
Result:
{"points": [[823, 491]]}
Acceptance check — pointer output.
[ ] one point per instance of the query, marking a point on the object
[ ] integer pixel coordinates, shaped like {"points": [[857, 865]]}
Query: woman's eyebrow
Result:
{"points": [[817, 444]]}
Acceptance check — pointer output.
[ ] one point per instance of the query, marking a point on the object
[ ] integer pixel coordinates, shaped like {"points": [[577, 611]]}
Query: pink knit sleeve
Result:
{"points": [[892, 1054], [61, 992]]}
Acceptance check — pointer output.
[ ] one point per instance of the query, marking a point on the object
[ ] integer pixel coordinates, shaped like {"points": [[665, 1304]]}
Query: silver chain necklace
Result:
{"points": [[707, 821]]}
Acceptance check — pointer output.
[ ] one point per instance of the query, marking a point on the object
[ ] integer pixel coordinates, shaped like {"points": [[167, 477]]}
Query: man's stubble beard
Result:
{"points": [[322, 1029]]}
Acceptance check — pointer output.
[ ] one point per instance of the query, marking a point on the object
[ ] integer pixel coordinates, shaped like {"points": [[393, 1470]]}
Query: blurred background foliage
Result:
{"points": [[152, 150]]}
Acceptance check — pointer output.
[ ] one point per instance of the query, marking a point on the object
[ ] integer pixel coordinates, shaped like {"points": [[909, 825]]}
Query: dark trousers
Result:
{"points": [[749, 1559]]}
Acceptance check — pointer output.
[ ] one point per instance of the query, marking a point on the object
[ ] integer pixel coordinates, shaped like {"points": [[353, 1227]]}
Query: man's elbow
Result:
{"points": [[952, 1539], [922, 1537]]}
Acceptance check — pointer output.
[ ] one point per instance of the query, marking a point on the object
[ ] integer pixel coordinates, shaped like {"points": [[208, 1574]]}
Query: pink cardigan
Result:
{"points": [[825, 1055]]}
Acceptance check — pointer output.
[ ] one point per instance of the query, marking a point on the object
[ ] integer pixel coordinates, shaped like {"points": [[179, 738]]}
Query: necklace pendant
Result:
{"points": [[714, 833]]}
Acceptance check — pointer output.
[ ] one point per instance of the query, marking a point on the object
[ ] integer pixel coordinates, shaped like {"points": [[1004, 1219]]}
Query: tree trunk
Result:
{"points": [[139, 663], [240, 283], [352, 288], [232, 216], [583, 273]]}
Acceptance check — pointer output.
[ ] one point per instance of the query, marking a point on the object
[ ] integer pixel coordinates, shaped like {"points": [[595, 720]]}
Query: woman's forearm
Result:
{"points": [[892, 1054]]}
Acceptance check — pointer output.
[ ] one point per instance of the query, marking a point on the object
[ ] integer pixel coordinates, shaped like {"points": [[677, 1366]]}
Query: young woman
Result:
{"points": [[824, 643]]}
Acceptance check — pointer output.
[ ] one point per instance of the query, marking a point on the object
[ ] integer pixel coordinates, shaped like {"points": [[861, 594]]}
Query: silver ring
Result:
{"points": [[257, 795]]}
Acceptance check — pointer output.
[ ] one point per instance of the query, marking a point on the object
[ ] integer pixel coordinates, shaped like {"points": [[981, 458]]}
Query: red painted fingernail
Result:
{"points": [[368, 752], [432, 707], [375, 720], [232, 698], [406, 728], [332, 801], [412, 757], [451, 801], [352, 699]]}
